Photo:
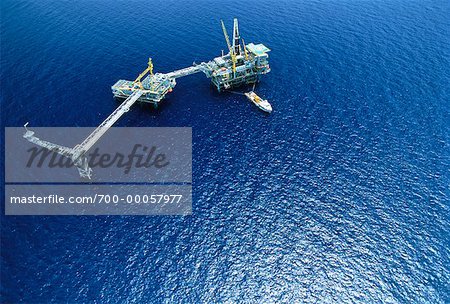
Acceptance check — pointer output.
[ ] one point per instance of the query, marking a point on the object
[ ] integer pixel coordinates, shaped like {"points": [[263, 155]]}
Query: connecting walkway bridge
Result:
{"points": [[108, 122], [77, 153], [184, 72]]}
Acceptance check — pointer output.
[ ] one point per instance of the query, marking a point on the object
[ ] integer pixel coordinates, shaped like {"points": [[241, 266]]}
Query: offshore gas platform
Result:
{"points": [[243, 64]]}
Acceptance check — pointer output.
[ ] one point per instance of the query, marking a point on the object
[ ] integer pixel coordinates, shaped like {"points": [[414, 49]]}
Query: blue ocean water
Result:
{"points": [[341, 195]]}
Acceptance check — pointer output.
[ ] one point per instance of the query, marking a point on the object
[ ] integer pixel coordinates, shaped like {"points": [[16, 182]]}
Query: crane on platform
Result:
{"points": [[148, 70], [230, 48]]}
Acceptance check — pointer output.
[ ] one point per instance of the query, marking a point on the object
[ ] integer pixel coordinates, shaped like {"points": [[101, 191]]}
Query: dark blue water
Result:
{"points": [[341, 195]]}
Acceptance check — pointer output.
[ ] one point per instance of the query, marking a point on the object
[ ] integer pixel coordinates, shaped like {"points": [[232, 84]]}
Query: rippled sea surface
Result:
{"points": [[341, 195]]}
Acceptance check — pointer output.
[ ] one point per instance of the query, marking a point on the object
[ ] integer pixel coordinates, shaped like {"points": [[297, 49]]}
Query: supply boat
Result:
{"points": [[263, 104]]}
